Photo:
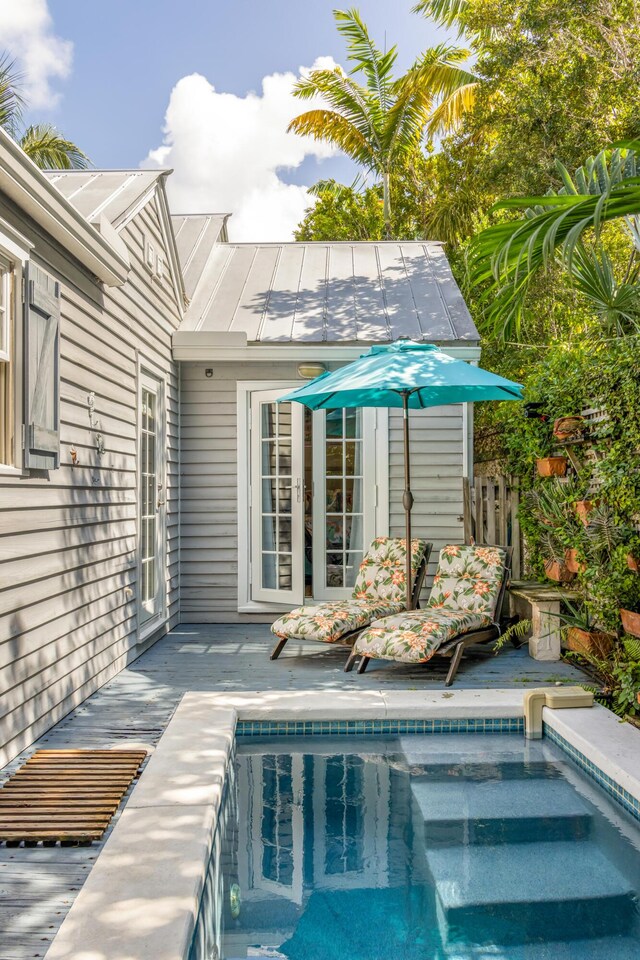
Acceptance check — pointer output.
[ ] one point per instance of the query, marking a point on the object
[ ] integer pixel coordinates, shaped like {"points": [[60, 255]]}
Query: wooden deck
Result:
{"points": [[38, 885]]}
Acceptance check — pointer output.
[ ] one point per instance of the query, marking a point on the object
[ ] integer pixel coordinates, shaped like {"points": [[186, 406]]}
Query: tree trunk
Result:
{"points": [[386, 210]]}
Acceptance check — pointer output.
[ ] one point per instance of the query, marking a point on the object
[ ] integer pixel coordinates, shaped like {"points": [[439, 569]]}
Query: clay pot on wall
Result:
{"points": [[572, 563], [552, 466], [589, 641], [630, 622], [584, 509], [556, 570], [565, 428], [633, 563]]}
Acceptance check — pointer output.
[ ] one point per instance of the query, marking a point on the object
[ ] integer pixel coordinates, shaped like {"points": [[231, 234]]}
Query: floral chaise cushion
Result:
{"points": [[463, 597], [468, 579], [415, 635], [379, 591], [382, 572], [328, 622]]}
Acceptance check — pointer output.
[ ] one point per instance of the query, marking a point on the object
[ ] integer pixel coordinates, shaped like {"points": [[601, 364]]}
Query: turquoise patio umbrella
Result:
{"points": [[409, 375]]}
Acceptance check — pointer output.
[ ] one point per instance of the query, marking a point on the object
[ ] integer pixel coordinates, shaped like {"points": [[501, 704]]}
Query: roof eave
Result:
{"points": [[29, 189]]}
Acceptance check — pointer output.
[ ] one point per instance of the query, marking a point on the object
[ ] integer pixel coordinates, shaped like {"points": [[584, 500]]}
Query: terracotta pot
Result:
{"points": [[552, 466], [589, 641], [566, 427], [583, 508], [572, 563], [633, 563], [556, 570], [630, 622]]}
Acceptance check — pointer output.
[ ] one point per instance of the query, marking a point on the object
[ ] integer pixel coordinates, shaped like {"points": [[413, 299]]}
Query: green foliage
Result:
{"points": [[46, 146], [619, 676], [381, 121], [568, 379]]}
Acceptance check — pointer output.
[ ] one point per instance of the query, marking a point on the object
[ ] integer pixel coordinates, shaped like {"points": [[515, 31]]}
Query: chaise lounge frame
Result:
{"points": [[349, 638], [455, 648]]}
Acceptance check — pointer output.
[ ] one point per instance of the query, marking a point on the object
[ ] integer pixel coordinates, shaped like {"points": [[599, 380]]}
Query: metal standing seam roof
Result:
{"points": [[113, 193], [330, 292], [196, 235]]}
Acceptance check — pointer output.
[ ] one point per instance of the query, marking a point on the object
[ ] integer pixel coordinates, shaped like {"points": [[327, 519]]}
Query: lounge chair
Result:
{"points": [[379, 591], [463, 608]]}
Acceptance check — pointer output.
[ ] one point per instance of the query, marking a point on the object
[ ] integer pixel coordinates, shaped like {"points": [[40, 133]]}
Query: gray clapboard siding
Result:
{"points": [[436, 477], [209, 545], [68, 570]]}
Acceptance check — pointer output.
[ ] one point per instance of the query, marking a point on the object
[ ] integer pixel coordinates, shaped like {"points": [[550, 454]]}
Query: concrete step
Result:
{"points": [[603, 948], [529, 892], [500, 811]]}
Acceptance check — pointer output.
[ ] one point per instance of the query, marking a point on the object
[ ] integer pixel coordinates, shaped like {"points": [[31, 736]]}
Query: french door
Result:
{"points": [[152, 503], [313, 499], [277, 499]]}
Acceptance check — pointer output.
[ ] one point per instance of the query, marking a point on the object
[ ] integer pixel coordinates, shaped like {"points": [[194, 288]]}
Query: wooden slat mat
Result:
{"points": [[66, 796]]}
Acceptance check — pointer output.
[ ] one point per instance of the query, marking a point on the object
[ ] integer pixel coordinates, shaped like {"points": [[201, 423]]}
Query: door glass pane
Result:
{"points": [[284, 526], [268, 419], [268, 533], [269, 496], [334, 459], [285, 565], [269, 579]]}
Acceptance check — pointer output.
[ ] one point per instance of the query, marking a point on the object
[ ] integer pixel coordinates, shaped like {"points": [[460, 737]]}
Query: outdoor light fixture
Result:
{"points": [[309, 371], [208, 373]]}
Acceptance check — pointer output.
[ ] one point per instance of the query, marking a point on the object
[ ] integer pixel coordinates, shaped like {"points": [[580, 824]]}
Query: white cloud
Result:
{"points": [[226, 152], [26, 33]]}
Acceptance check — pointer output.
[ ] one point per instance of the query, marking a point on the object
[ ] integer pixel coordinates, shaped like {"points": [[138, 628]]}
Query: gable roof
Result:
{"points": [[330, 292], [114, 193], [109, 199], [195, 235]]}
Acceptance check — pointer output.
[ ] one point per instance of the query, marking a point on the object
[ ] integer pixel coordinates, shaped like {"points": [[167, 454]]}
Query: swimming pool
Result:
{"points": [[438, 846]]}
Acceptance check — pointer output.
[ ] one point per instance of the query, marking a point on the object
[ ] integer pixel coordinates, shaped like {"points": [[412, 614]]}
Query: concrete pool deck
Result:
{"points": [[40, 884]]}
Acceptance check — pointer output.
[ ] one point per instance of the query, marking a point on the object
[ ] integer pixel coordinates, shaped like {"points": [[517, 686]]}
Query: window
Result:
{"points": [[7, 361]]}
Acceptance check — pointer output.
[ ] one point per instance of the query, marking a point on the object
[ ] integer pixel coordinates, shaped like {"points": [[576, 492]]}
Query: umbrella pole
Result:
{"points": [[407, 497]]}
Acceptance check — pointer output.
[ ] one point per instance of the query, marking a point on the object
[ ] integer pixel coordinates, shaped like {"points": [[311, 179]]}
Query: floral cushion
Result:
{"points": [[328, 622], [382, 572], [415, 635], [468, 579]]}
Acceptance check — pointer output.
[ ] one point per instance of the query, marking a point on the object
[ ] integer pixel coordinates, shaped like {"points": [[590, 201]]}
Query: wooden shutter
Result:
{"points": [[41, 371]]}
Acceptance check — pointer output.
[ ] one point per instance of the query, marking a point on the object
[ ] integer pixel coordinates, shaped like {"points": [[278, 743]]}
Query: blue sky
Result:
{"points": [[126, 62]]}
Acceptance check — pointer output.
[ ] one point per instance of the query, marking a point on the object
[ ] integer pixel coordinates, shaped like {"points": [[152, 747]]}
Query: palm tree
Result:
{"points": [[505, 258], [385, 118], [42, 142]]}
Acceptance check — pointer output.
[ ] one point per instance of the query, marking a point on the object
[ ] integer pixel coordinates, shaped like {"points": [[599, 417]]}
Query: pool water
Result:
{"points": [[439, 847]]}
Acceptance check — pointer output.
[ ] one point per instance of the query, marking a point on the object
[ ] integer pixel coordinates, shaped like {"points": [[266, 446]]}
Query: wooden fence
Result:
{"points": [[491, 516]]}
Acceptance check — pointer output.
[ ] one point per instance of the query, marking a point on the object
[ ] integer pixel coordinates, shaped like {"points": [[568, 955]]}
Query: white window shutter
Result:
{"points": [[41, 371]]}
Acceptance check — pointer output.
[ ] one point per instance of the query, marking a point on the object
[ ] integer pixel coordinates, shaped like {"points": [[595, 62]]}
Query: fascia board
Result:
{"points": [[26, 186]]}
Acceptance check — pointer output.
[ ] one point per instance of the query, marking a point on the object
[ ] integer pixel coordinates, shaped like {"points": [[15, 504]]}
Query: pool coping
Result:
{"points": [[141, 899]]}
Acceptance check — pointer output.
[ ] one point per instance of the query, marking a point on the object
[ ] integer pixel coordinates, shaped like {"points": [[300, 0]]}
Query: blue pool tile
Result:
{"points": [[614, 790], [375, 728]]}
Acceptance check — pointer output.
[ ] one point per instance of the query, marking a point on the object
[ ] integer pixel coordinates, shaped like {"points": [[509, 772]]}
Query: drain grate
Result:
{"points": [[66, 796]]}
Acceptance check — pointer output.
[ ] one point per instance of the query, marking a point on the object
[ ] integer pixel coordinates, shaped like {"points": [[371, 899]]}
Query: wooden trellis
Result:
{"points": [[491, 516]]}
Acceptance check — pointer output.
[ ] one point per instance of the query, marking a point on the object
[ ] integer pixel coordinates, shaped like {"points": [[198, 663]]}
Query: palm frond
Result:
{"points": [[617, 304], [344, 96], [50, 150], [448, 114], [11, 100], [332, 127], [333, 188], [447, 13], [376, 66], [507, 255]]}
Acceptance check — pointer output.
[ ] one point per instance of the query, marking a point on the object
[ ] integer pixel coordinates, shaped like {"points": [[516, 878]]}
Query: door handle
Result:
{"points": [[298, 489]]}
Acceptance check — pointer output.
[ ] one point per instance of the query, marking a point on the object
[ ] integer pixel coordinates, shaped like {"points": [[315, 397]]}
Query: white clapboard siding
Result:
{"points": [[209, 514], [68, 567]]}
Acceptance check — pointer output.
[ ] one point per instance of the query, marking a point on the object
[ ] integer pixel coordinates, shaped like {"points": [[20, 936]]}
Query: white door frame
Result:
{"points": [[151, 379], [295, 595], [381, 495]]}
